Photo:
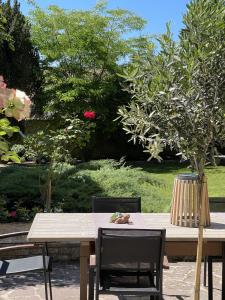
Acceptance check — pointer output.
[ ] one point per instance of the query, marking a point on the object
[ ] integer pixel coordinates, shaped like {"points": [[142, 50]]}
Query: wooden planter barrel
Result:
{"points": [[185, 202]]}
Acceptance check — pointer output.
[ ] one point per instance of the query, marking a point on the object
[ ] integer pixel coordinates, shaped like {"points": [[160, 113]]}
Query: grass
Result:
{"points": [[74, 185], [167, 171]]}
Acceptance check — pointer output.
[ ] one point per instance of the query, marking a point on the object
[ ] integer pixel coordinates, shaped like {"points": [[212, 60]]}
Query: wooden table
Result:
{"points": [[82, 227]]}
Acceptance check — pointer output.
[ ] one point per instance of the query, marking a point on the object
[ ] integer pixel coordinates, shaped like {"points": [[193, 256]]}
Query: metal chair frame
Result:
{"points": [[43, 246], [156, 291], [208, 260], [113, 204]]}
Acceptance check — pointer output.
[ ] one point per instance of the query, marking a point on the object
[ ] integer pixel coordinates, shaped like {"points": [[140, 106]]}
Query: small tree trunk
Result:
{"points": [[199, 166], [212, 155], [200, 236], [48, 194], [48, 199]]}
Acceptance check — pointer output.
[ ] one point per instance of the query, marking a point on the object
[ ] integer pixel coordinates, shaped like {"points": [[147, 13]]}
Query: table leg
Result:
{"points": [[84, 258], [223, 270]]}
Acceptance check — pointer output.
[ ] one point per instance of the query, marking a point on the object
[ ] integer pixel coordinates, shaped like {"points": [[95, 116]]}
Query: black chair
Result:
{"points": [[217, 204], [41, 262], [118, 204], [114, 204], [129, 262]]}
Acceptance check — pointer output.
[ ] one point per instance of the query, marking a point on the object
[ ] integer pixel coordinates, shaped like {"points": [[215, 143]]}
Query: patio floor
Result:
{"points": [[178, 283]]}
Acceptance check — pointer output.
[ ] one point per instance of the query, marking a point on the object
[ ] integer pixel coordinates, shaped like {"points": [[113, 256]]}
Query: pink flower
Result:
{"points": [[12, 213], [89, 115], [16, 104]]}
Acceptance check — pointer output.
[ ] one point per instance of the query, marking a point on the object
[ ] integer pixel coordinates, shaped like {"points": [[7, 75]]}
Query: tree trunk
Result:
{"points": [[48, 199], [48, 194], [202, 182]]}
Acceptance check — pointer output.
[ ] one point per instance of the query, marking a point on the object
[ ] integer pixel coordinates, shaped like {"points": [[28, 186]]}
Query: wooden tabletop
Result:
{"points": [[52, 227]]}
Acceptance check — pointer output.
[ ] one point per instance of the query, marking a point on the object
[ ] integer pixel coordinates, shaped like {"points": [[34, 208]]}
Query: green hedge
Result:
{"points": [[21, 186]]}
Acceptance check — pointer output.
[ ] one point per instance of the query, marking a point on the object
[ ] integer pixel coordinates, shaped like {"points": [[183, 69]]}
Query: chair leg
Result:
{"points": [[46, 285], [210, 279], [205, 270], [91, 284], [50, 284], [44, 249]]}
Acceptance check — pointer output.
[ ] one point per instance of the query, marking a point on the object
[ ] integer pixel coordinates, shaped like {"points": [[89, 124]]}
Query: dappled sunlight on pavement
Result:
{"points": [[178, 284]]}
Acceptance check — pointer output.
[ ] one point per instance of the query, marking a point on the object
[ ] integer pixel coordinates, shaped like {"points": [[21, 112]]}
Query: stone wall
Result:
{"points": [[59, 251]]}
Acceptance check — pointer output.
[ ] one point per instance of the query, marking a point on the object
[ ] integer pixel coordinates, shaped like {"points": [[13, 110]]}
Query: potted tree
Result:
{"points": [[178, 95]]}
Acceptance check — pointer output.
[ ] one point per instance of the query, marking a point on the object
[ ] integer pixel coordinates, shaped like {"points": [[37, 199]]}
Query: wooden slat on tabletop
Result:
{"points": [[62, 227], [215, 232]]}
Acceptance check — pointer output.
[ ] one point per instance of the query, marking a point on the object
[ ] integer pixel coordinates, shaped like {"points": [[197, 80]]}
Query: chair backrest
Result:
{"points": [[133, 250], [114, 204], [217, 204]]}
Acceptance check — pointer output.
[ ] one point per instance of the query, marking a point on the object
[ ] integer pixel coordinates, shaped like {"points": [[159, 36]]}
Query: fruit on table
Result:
{"points": [[119, 218]]}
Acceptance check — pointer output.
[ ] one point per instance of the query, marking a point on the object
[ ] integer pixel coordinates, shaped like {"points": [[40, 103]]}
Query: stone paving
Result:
{"points": [[178, 284]]}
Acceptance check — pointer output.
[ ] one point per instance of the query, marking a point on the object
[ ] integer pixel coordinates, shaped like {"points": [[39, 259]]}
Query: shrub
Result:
{"points": [[72, 187]]}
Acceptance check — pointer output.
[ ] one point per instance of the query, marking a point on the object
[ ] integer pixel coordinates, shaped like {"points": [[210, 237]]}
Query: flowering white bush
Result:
{"points": [[13, 103]]}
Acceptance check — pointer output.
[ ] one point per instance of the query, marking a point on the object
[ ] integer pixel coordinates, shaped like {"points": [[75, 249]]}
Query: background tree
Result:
{"points": [[55, 145], [3, 35], [179, 94], [19, 60], [82, 52]]}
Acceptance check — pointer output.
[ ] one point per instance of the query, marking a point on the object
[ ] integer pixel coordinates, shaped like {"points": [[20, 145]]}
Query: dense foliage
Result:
{"points": [[179, 94], [21, 187], [82, 52], [3, 34], [19, 59], [57, 145]]}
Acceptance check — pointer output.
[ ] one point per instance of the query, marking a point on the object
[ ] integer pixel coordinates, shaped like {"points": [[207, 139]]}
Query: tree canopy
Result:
{"points": [[3, 35], [19, 59], [81, 53], [179, 94]]}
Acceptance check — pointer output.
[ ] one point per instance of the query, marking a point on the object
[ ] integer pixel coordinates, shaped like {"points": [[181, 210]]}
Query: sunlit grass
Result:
{"points": [[74, 185]]}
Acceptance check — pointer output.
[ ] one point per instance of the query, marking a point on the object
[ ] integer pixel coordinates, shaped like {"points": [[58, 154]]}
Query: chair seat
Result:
{"points": [[130, 290], [21, 265]]}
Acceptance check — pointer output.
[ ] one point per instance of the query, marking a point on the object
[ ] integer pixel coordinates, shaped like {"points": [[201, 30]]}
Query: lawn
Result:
{"points": [[74, 185], [165, 172]]}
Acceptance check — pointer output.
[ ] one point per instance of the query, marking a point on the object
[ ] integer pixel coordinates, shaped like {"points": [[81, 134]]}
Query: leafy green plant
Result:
{"points": [[74, 185], [23, 214], [19, 149], [7, 130], [19, 58], [179, 94], [55, 145], [3, 209], [82, 51]]}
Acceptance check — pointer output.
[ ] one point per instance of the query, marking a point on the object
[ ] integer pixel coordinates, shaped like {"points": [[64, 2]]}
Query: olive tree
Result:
{"points": [[178, 95]]}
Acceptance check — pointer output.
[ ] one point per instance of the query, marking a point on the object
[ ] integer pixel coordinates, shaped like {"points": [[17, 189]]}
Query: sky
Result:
{"points": [[155, 12]]}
